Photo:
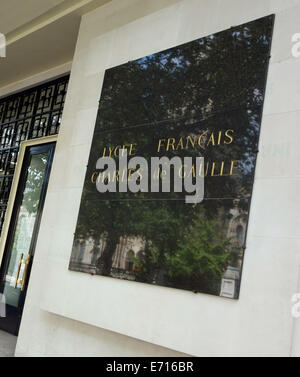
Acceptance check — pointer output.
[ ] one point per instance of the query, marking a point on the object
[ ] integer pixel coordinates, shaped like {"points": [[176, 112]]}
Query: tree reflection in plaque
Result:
{"points": [[201, 99]]}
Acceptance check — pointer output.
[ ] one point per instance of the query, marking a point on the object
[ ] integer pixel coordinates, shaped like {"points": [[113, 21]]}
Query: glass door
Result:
{"points": [[23, 231]]}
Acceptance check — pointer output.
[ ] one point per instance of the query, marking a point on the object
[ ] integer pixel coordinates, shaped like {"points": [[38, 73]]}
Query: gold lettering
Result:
{"points": [[211, 140], [222, 170], [160, 144], [206, 172], [213, 170], [200, 170], [190, 140], [233, 166], [230, 137], [180, 144], [200, 142], [123, 175], [220, 137], [171, 143], [131, 150], [180, 172], [110, 151], [129, 174], [116, 176], [156, 175], [192, 172], [93, 176], [117, 150]]}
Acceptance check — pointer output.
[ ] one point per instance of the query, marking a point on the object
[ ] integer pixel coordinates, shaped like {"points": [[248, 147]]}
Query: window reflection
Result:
{"points": [[207, 94], [25, 224]]}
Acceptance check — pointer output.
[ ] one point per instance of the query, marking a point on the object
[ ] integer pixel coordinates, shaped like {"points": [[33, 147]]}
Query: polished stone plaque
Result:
{"points": [[201, 99]]}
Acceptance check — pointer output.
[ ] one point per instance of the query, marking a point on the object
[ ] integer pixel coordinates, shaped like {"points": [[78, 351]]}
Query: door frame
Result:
{"points": [[15, 184]]}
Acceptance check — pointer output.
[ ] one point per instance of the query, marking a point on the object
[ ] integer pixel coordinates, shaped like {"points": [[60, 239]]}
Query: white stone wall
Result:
{"points": [[69, 313]]}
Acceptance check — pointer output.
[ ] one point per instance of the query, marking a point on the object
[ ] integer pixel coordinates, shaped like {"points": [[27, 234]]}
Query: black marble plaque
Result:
{"points": [[201, 99]]}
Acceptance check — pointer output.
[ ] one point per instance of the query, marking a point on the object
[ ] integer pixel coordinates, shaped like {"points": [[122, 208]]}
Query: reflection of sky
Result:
{"points": [[248, 163], [161, 60]]}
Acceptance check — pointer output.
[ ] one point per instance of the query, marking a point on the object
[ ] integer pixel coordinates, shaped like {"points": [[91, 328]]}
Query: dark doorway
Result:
{"points": [[23, 232]]}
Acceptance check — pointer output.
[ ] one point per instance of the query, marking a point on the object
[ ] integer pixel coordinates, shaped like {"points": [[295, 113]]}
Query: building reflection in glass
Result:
{"points": [[200, 99]]}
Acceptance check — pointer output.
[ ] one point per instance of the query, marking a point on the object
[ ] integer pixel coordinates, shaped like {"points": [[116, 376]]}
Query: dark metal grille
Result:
{"points": [[27, 115]]}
